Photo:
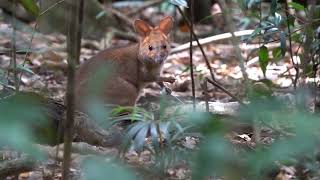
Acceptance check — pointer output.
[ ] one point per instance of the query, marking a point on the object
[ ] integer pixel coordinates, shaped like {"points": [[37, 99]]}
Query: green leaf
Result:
{"points": [[290, 21], [276, 53], [296, 37], [154, 135], [19, 113], [207, 18], [25, 69], [309, 71], [31, 6], [100, 14], [135, 129], [296, 6], [141, 136], [263, 58], [182, 3], [260, 89]]}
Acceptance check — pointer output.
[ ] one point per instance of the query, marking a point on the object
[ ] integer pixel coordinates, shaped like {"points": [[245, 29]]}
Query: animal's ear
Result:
{"points": [[166, 25], [142, 28]]}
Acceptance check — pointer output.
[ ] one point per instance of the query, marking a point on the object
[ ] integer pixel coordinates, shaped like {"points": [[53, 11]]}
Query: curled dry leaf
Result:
{"points": [[286, 173]]}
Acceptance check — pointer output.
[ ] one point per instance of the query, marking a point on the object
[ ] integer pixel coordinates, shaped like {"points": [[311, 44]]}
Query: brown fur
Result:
{"points": [[132, 67]]}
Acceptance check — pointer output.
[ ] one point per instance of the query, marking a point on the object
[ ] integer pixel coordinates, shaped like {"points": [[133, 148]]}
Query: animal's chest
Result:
{"points": [[148, 74]]}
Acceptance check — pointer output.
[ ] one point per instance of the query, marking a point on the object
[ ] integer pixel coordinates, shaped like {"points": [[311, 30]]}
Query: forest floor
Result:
{"points": [[44, 71]]}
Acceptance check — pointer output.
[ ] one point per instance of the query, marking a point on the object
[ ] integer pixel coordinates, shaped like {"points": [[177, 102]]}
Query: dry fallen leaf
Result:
{"points": [[286, 173]]}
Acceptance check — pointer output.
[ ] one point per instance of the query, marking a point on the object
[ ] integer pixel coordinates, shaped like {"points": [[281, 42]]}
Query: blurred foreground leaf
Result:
{"points": [[17, 115], [182, 3], [99, 169], [263, 58], [31, 6], [296, 6]]}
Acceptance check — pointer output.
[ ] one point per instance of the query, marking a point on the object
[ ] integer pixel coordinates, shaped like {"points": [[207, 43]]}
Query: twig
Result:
{"points": [[316, 101], [191, 56], [60, 125], [51, 7], [206, 94], [79, 30], [33, 33], [225, 91], [73, 48], [256, 122], [14, 57], [197, 40], [307, 43], [291, 11], [260, 22], [234, 40], [314, 69], [290, 46]]}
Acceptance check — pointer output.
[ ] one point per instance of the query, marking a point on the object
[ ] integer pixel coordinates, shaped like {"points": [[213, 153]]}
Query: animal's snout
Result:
{"points": [[160, 58]]}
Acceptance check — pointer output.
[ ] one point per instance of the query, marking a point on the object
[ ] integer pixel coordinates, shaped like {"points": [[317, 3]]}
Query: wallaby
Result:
{"points": [[131, 67]]}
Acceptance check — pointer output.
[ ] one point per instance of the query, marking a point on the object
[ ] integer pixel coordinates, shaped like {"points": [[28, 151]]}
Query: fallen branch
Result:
{"points": [[229, 109], [77, 148], [211, 39], [86, 130], [245, 46]]}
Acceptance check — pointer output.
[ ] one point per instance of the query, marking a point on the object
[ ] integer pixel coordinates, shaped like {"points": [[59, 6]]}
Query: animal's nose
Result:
{"points": [[159, 58], [163, 55]]}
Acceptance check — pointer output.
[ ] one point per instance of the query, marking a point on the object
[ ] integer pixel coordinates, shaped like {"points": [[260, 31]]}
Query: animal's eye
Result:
{"points": [[164, 46], [150, 48]]}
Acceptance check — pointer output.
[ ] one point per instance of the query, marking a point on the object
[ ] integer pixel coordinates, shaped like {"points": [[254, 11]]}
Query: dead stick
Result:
{"points": [[225, 91], [211, 39], [191, 56], [206, 94], [33, 33], [197, 39]]}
